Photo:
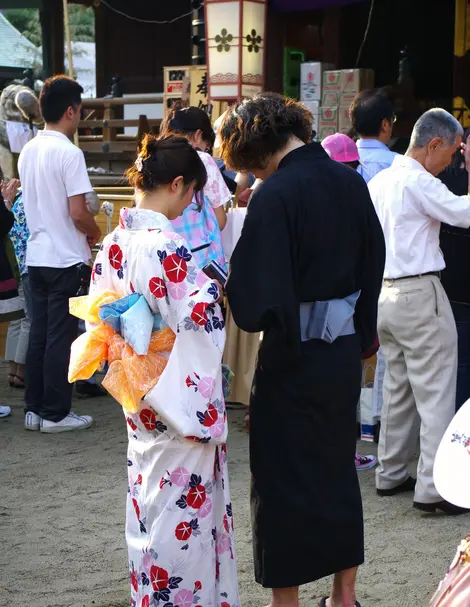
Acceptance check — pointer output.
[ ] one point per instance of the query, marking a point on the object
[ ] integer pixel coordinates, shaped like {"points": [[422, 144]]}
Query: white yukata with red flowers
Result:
{"points": [[179, 526]]}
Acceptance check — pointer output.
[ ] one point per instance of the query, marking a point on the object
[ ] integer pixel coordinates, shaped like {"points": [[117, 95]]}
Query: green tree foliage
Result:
{"points": [[26, 20]]}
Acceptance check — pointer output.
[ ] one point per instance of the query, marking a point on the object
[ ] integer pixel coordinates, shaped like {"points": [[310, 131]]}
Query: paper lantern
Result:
{"points": [[235, 39]]}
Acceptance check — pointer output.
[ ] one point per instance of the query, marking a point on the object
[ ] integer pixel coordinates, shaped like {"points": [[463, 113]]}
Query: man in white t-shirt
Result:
{"points": [[54, 179]]}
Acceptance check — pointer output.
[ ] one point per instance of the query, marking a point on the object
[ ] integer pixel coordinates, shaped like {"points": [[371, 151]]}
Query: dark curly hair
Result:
{"points": [[161, 160], [256, 129]]}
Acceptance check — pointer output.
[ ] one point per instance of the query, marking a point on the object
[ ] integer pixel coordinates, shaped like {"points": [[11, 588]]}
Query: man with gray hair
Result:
{"points": [[417, 330]]}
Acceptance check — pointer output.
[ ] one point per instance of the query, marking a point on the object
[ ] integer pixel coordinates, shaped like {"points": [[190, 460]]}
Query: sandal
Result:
{"points": [[18, 383], [11, 380], [323, 602]]}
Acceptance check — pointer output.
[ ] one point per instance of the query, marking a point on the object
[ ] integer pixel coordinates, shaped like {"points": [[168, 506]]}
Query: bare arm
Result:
{"points": [[221, 216], [83, 219]]}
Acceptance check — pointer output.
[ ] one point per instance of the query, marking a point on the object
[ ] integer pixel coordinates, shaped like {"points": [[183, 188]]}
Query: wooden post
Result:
{"points": [[52, 26], [143, 128], [109, 134], [69, 50]]}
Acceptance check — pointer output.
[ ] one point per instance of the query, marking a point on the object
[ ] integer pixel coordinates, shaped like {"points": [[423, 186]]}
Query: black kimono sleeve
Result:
{"points": [[373, 263], [262, 289], [7, 218]]}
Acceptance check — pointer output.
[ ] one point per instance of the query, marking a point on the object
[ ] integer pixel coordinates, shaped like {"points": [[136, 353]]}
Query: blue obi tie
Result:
{"points": [[133, 319], [328, 320]]}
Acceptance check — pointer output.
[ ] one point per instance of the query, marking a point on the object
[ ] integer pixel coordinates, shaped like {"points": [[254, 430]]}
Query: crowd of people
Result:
{"points": [[339, 254]]}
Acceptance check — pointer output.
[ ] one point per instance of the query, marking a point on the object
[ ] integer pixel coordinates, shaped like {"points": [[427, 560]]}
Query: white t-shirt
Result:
{"points": [[52, 169]]}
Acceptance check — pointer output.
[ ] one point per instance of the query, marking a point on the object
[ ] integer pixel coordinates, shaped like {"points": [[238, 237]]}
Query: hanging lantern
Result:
{"points": [[235, 39]]}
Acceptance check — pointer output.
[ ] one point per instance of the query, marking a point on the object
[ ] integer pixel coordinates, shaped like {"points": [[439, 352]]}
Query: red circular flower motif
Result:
{"points": [[162, 482], [183, 532], [197, 586], [158, 578], [139, 480], [211, 416], [226, 524], [176, 268], [149, 419], [146, 601], [196, 496], [224, 604], [134, 582], [157, 287], [199, 314], [115, 256]]}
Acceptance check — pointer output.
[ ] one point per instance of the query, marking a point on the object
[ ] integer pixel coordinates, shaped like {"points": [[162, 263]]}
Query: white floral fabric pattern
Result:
{"points": [[179, 524]]}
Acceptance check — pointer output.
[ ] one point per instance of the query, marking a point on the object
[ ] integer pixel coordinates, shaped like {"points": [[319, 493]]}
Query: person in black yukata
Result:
{"points": [[311, 235]]}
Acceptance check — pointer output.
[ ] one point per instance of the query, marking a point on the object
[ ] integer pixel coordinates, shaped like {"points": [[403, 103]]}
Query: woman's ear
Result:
{"points": [[177, 184]]}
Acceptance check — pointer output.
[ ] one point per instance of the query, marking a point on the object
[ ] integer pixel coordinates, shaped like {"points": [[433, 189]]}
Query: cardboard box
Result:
{"points": [[328, 122], [331, 88], [311, 75], [344, 119], [353, 82]]}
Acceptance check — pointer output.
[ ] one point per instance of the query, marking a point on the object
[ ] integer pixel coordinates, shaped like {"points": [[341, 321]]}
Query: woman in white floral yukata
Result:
{"points": [[179, 517]]}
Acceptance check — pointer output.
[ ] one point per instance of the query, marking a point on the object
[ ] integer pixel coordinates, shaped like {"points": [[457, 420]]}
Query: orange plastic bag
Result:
{"points": [[129, 376]]}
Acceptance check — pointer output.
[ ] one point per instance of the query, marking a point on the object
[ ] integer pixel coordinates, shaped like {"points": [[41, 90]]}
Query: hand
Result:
{"points": [[94, 238], [221, 291], [10, 190], [244, 198]]}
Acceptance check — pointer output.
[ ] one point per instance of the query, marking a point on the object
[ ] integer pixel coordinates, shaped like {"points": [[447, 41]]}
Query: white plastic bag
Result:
{"points": [[378, 387], [232, 231], [366, 405]]}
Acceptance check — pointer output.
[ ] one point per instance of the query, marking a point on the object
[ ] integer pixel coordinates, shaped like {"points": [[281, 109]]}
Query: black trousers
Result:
{"points": [[53, 329]]}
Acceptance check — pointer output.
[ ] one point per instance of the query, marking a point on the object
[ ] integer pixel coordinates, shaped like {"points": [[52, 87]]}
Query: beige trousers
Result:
{"points": [[418, 339], [241, 353]]}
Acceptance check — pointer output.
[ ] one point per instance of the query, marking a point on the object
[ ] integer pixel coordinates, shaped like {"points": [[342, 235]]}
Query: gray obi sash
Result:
{"points": [[328, 320]]}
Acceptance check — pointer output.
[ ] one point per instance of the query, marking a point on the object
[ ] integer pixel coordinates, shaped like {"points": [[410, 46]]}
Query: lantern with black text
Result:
{"points": [[235, 39]]}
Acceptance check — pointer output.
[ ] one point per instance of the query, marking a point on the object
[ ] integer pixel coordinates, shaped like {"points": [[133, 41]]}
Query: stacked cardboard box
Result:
{"points": [[339, 89], [352, 83], [311, 78]]}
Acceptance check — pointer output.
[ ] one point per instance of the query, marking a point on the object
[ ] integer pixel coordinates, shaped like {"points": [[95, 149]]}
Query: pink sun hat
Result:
{"points": [[341, 148]]}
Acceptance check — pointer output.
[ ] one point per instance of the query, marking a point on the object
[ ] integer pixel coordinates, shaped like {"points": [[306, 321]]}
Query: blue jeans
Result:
{"points": [[462, 320]]}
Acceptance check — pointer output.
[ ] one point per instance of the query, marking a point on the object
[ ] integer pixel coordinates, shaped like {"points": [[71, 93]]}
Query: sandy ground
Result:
{"points": [[62, 521]]}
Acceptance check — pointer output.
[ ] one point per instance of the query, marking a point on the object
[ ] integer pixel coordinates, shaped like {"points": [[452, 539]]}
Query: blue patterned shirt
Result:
{"points": [[19, 233]]}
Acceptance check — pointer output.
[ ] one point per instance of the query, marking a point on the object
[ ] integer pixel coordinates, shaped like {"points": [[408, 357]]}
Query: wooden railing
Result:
{"points": [[101, 115]]}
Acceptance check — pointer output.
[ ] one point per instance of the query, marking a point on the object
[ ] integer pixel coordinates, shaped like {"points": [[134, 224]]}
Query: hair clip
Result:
{"points": [[139, 163]]}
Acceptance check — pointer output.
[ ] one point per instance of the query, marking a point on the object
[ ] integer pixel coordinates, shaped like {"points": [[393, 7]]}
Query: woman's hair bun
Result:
{"points": [[161, 160]]}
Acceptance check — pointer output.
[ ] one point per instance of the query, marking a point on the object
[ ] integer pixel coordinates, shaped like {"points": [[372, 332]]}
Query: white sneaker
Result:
{"points": [[68, 424], [4, 411], [32, 421]]}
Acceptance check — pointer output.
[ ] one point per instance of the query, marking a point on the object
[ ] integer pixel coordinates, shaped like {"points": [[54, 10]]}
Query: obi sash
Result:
{"points": [[328, 320]]}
